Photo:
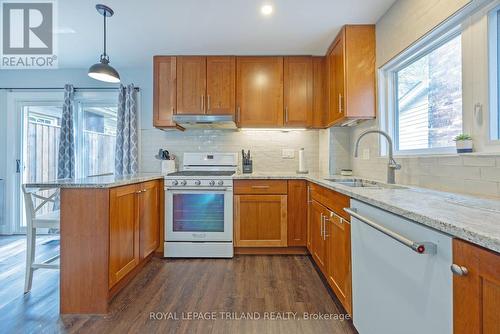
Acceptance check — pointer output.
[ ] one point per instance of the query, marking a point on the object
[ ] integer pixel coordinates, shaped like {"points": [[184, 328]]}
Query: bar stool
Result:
{"points": [[35, 221]]}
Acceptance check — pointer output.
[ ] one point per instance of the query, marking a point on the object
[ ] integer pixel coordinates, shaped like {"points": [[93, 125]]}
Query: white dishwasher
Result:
{"points": [[401, 277]]}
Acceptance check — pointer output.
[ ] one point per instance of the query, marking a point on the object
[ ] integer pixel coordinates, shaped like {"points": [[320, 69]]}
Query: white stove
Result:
{"points": [[199, 206]]}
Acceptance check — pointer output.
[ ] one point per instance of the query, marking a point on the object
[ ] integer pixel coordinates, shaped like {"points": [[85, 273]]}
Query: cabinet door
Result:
{"points": [[476, 295], [123, 232], [191, 85], [259, 95], [339, 259], [297, 213], [320, 103], [221, 85], [336, 81], [164, 91], [298, 92], [260, 220], [318, 240], [149, 217]]}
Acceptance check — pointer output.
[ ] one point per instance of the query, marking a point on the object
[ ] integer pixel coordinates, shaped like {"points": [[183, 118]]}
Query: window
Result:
{"points": [[428, 99]]}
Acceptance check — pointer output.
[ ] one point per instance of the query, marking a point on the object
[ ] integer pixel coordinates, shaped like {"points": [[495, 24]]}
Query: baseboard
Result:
{"points": [[270, 251]]}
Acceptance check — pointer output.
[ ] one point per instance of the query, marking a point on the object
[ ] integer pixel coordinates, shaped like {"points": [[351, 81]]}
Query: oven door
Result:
{"points": [[198, 215]]}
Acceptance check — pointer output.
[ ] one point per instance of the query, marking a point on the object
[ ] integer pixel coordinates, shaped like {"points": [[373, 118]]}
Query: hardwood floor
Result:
{"points": [[173, 288]]}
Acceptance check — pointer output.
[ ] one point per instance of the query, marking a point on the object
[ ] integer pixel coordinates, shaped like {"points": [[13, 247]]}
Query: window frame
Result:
{"points": [[494, 74], [389, 94]]}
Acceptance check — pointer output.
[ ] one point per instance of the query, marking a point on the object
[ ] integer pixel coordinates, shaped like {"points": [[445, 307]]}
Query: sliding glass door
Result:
{"points": [[37, 140]]}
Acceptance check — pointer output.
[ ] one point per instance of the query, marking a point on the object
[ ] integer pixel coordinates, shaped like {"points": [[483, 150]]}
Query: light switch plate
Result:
{"points": [[366, 154], [288, 153]]}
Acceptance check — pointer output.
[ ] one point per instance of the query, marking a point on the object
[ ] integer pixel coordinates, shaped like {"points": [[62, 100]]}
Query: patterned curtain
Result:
{"points": [[66, 157], [126, 159]]}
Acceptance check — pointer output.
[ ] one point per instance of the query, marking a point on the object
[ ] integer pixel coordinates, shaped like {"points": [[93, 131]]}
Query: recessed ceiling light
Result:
{"points": [[266, 10]]}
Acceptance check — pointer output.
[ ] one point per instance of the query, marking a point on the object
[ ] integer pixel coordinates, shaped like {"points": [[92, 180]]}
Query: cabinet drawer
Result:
{"points": [[260, 187], [331, 199]]}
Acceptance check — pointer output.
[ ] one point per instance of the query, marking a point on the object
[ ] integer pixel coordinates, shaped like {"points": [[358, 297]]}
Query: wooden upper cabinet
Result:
{"points": [[259, 94], [123, 232], [320, 103], [191, 84], [164, 86], [476, 295], [149, 204], [297, 213], [298, 91], [221, 85], [351, 75]]}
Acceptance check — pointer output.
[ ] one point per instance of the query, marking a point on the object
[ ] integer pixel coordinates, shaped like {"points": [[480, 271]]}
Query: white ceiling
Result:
{"points": [[141, 29]]}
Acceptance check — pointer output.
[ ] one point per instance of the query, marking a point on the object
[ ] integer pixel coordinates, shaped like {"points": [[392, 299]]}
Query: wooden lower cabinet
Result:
{"points": [[260, 220], [149, 223], [123, 232], [297, 213], [318, 240], [329, 240], [338, 266], [476, 294]]}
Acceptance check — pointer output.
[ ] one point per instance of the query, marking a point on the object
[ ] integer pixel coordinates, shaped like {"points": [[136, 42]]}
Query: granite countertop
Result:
{"points": [[106, 181], [466, 217]]}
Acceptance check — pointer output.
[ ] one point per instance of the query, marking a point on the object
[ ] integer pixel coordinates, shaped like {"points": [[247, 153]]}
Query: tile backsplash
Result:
{"points": [[265, 146], [469, 173]]}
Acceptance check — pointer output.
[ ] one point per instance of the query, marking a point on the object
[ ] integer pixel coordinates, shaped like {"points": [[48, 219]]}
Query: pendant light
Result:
{"points": [[102, 71]]}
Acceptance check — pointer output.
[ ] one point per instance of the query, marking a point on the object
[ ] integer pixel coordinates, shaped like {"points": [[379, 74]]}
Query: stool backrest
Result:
{"points": [[30, 194]]}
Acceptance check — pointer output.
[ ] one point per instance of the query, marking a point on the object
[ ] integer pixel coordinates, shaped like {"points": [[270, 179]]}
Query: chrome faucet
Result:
{"points": [[393, 165]]}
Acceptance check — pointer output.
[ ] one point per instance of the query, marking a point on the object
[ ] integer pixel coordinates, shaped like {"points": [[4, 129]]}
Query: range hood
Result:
{"points": [[205, 121]]}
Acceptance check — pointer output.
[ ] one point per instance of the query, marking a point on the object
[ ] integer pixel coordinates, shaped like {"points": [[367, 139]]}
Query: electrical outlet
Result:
{"points": [[287, 153], [366, 154]]}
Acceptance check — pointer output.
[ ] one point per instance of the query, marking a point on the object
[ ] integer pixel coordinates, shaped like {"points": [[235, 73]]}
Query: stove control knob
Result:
{"points": [[183, 182], [220, 183], [174, 182], [197, 182], [212, 183]]}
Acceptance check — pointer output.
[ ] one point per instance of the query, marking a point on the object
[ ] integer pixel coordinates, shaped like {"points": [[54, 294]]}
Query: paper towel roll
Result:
{"points": [[302, 161]]}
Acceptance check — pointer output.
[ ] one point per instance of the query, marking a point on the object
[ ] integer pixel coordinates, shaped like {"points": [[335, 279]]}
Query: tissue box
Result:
{"points": [[168, 166]]}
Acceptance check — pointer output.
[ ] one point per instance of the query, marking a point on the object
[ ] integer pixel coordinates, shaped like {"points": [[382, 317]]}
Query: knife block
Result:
{"points": [[248, 167]]}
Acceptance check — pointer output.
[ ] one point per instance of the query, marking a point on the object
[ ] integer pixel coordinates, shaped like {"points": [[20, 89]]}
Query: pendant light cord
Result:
{"points": [[105, 55]]}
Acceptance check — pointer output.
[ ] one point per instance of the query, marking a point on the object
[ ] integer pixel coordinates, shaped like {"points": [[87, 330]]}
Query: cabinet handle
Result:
{"points": [[144, 190], [208, 102], [459, 270], [340, 103], [286, 114], [138, 191], [309, 194], [202, 102], [321, 225], [238, 109], [260, 187]]}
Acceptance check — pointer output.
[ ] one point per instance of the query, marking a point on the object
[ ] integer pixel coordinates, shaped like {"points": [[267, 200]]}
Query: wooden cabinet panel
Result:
{"points": [[339, 259], [149, 217], [221, 85], [360, 71], [318, 241], [259, 91], [331, 199], [297, 213], [191, 85], [336, 82], [164, 99], [476, 295], [298, 91], [260, 220], [123, 232], [320, 94], [260, 187]]}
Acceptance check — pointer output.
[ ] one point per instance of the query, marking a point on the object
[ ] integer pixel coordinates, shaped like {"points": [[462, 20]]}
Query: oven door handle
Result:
{"points": [[199, 188]]}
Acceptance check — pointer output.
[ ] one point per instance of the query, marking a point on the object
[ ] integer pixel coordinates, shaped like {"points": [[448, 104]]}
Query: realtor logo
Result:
{"points": [[28, 34]]}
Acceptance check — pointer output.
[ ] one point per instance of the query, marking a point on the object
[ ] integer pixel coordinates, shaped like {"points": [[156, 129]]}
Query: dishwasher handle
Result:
{"points": [[416, 246]]}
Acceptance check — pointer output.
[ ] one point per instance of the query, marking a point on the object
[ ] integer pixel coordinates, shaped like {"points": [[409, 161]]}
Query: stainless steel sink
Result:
{"points": [[362, 183]]}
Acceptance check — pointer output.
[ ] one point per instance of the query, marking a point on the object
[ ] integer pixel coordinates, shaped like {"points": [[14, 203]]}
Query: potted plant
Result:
{"points": [[464, 143]]}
